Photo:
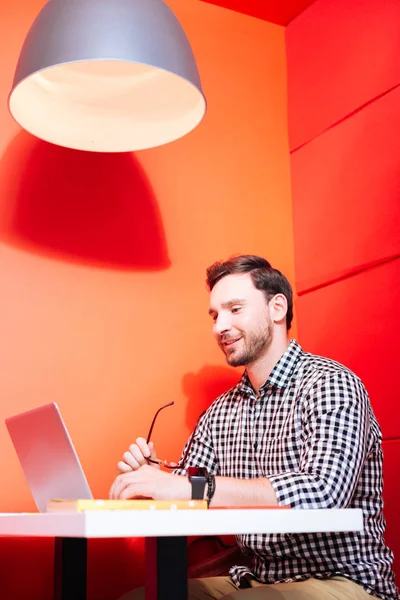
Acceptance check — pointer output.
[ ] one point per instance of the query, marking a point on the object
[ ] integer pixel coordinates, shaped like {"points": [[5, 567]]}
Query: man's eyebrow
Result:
{"points": [[228, 304]]}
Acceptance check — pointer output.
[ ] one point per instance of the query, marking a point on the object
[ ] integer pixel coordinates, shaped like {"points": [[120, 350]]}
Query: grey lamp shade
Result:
{"points": [[107, 76]]}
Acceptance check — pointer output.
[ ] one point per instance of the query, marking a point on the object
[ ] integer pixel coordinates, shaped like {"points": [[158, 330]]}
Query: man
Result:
{"points": [[297, 430]]}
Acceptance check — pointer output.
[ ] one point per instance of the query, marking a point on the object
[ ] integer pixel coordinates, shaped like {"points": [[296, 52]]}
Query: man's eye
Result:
{"points": [[214, 317], [236, 309]]}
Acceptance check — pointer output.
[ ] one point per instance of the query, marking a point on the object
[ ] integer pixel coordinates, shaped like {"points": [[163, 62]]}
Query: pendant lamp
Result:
{"points": [[107, 76]]}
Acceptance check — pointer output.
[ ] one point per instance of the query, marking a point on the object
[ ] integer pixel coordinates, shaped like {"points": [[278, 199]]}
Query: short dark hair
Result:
{"points": [[264, 277]]}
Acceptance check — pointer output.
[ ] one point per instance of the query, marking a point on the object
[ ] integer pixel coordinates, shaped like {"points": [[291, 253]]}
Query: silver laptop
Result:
{"points": [[47, 456]]}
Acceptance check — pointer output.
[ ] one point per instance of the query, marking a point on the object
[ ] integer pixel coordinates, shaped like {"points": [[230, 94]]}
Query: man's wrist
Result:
{"points": [[183, 487]]}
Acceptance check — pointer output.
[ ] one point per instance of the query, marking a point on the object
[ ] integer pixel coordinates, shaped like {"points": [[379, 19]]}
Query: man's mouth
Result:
{"points": [[228, 343]]}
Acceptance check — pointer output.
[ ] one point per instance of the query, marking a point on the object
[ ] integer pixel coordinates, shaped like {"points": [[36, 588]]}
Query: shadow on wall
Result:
{"points": [[203, 387], [88, 208]]}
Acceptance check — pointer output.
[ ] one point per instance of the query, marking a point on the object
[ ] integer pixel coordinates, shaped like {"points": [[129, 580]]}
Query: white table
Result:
{"points": [[165, 533]]}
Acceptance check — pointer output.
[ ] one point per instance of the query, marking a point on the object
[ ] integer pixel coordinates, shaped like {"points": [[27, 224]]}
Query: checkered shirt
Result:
{"points": [[312, 432]]}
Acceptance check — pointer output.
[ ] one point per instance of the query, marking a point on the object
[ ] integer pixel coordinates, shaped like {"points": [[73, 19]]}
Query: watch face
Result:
{"points": [[197, 472]]}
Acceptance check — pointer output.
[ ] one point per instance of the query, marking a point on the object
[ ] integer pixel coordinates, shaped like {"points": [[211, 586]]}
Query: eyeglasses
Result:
{"points": [[164, 463]]}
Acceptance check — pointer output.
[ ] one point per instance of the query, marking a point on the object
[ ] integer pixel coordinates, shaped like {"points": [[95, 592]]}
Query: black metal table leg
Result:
{"points": [[166, 568], [70, 568]]}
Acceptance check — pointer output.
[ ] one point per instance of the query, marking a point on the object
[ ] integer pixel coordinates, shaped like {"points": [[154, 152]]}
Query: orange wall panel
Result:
{"points": [[103, 258], [341, 55], [345, 186]]}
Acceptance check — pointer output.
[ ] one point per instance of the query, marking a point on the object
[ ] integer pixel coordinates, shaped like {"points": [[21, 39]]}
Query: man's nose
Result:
{"points": [[222, 324]]}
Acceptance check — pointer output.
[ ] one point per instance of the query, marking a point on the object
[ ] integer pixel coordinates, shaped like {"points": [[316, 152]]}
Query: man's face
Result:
{"points": [[243, 326]]}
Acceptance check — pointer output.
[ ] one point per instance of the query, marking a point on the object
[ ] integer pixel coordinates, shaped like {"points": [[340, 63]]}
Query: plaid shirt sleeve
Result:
{"points": [[334, 445], [202, 452]]}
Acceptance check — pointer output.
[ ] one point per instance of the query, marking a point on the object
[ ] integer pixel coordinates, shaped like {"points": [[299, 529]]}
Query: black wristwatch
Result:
{"points": [[199, 479]]}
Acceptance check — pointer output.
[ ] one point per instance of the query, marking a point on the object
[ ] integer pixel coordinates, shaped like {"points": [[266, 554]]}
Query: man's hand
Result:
{"points": [[135, 457], [146, 482]]}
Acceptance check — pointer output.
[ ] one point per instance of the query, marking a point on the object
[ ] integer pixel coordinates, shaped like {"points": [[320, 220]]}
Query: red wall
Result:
{"points": [[102, 270], [344, 118]]}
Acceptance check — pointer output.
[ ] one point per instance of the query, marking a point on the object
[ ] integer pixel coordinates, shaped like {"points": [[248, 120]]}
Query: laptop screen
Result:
{"points": [[48, 458]]}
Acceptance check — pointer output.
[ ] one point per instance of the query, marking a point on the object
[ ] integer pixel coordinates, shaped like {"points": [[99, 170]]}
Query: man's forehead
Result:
{"points": [[232, 286]]}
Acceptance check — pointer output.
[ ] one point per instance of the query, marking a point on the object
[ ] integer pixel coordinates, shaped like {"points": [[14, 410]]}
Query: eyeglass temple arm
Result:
{"points": [[154, 419]]}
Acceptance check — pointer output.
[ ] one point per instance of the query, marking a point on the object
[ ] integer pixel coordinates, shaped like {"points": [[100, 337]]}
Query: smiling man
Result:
{"points": [[298, 430]]}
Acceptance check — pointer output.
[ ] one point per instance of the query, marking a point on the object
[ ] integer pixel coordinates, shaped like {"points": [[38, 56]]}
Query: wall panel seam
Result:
{"points": [[356, 271], [346, 117]]}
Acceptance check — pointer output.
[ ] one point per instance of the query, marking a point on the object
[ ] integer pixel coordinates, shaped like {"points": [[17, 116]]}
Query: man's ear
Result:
{"points": [[278, 308]]}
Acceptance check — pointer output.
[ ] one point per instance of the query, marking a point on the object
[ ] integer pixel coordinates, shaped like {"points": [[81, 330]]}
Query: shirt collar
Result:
{"points": [[283, 371]]}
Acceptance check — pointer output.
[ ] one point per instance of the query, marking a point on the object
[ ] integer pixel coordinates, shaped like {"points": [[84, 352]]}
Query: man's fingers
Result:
{"points": [[123, 467], [153, 456], [125, 487], [131, 459], [134, 484], [131, 491], [111, 493], [120, 483], [152, 451], [143, 447], [138, 454]]}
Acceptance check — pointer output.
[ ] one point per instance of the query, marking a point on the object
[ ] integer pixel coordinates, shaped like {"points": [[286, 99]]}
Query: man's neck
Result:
{"points": [[259, 371]]}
